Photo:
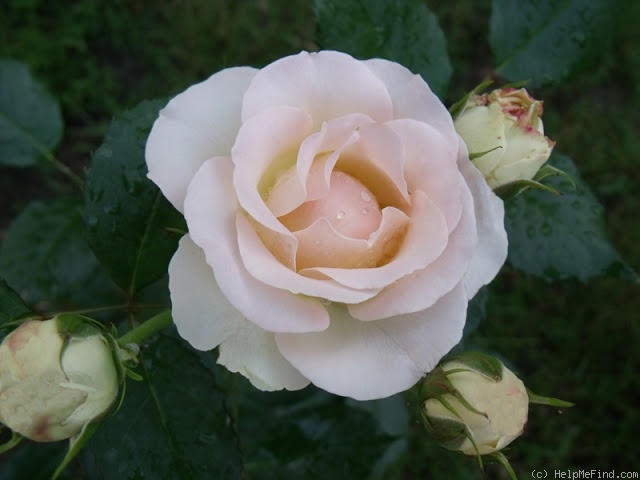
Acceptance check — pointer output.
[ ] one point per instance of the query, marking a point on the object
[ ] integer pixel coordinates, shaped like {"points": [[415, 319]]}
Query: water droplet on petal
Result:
{"points": [[341, 214], [365, 196], [365, 211]]}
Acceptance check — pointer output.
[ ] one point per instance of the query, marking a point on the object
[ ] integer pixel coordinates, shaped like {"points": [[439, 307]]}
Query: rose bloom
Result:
{"points": [[337, 228]]}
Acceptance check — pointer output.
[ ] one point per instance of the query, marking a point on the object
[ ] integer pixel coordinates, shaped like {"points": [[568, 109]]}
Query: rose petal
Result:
{"points": [[430, 165], [377, 160], [210, 211], [309, 179], [261, 263], [483, 129], [203, 315], [196, 125], [205, 318], [491, 251], [424, 241], [253, 352], [525, 153], [368, 360], [266, 145], [325, 84], [320, 245], [422, 288], [412, 97]]}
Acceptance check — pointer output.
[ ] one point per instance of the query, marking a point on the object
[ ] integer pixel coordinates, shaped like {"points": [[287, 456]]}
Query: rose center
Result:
{"points": [[349, 207]]}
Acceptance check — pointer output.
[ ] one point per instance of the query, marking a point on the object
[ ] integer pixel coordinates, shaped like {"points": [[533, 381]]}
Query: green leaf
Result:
{"points": [[30, 119], [46, 258], [191, 419], [404, 31], [393, 416], [550, 401], [174, 424], [561, 236], [75, 446], [33, 461], [127, 217], [476, 312], [546, 41], [11, 305]]}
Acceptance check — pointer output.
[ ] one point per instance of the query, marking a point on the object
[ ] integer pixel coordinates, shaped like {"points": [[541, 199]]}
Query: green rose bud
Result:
{"points": [[474, 404], [56, 376], [504, 134]]}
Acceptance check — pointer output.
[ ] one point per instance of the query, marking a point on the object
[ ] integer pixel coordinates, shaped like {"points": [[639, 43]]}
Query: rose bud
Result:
{"points": [[504, 135], [474, 404], [56, 376]]}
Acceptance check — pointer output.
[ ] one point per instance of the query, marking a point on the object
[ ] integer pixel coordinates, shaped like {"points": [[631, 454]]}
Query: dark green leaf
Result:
{"points": [[191, 419], [46, 258], [126, 215], [11, 305], [561, 236], [30, 120], [172, 425], [33, 461], [546, 41], [476, 312], [404, 31], [393, 416]]}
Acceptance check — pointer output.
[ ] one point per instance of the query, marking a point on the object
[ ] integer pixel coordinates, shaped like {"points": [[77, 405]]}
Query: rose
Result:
{"points": [[474, 404], [337, 228], [53, 384], [505, 129]]}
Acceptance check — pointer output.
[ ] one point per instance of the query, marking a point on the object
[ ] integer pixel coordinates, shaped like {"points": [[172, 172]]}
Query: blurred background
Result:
{"points": [[575, 341]]}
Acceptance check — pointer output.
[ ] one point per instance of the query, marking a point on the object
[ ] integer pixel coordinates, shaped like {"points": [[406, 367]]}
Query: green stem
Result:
{"points": [[146, 329], [499, 456], [13, 441], [62, 168]]}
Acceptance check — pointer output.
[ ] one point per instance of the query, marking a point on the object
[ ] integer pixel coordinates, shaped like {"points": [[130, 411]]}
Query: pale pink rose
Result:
{"points": [[337, 228]]}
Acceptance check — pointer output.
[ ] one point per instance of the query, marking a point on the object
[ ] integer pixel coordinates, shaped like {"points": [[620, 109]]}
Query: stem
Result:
{"points": [[13, 441], [499, 456], [146, 329], [62, 168]]}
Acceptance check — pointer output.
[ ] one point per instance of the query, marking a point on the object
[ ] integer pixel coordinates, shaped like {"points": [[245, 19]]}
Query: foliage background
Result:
{"points": [[572, 340]]}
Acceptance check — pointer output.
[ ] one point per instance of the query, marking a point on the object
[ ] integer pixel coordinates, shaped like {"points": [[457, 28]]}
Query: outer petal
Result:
{"points": [[491, 252], [325, 84], [412, 97], [203, 315], [368, 360], [484, 130], [200, 123], [210, 210], [253, 352], [526, 152], [206, 319]]}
